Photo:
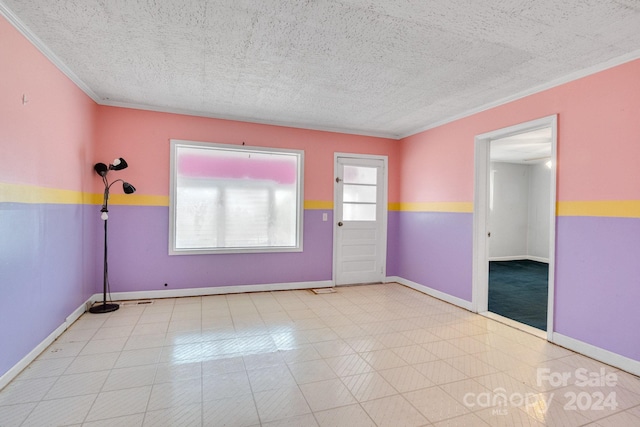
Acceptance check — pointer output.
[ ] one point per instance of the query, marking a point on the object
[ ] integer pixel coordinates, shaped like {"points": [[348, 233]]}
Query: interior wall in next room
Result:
{"points": [[509, 210], [519, 211], [539, 223]]}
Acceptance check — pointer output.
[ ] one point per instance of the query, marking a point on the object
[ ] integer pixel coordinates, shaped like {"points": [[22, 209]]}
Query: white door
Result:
{"points": [[360, 215]]}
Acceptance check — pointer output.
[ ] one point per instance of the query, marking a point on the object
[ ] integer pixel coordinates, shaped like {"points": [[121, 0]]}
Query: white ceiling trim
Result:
{"points": [[48, 53], [623, 59]]}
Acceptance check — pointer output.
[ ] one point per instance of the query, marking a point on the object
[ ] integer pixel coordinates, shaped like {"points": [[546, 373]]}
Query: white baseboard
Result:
{"points": [[33, 354], [519, 258], [431, 292], [194, 292], [597, 353]]}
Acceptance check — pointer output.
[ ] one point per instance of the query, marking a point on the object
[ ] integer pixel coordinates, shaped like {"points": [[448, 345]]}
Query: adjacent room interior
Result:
{"points": [[519, 223]]}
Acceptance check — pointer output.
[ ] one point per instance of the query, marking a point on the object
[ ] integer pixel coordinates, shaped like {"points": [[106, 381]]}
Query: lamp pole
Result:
{"points": [[102, 170]]}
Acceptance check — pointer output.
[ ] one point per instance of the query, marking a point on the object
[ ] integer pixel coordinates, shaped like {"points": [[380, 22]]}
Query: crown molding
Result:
{"points": [[623, 59], [48, 53]]}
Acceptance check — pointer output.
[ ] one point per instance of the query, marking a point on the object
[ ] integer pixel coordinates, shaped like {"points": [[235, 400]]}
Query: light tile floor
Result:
{"points": [[376, 355]]}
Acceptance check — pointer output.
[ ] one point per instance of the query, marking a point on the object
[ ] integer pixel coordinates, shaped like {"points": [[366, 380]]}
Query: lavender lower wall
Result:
{"points": [[597, 288], [47, 270], [433, 249], [139, 260]]}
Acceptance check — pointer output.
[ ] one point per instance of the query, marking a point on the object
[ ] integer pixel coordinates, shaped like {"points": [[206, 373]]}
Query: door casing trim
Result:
{"points": [[480, 278]]}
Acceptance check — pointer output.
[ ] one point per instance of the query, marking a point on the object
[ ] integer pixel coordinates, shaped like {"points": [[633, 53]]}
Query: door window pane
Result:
{"points": [[359, 193], [358, 212], [360, 175]]}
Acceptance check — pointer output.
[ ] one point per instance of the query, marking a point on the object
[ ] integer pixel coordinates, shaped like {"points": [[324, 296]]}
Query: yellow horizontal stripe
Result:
{"points": [[19, 193], [318, 204], [610, 208], [454, 207], [137, 200]]}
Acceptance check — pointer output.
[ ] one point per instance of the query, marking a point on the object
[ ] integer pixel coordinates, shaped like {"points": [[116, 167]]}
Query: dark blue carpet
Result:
{"points": [[518, 290]]}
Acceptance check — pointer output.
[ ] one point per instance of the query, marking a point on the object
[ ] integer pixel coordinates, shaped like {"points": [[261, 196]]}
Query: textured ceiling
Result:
{"points": [[376, 67]]}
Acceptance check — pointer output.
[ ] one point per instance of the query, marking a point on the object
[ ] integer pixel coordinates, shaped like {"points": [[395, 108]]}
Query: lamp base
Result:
{"points": [[104, 308]]}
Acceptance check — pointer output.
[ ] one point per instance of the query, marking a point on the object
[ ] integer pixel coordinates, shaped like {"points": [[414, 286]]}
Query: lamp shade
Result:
{"points": [[101, 169], [118, 164], [128, 188]]}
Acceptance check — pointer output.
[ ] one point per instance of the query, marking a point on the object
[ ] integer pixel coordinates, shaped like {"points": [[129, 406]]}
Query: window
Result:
{"points": [[229, 198]]}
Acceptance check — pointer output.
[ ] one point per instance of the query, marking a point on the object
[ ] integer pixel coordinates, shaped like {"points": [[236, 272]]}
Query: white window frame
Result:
{"points": [[176, 143]]}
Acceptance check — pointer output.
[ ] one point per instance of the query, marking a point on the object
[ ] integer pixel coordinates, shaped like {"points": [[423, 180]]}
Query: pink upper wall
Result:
{"points": [[598, 141], [437, 166], [47, 141], [599, 136], [142, 138]]}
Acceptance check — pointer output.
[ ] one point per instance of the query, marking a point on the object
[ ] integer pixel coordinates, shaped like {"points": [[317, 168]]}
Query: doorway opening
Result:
{"points": [[514, 225]]}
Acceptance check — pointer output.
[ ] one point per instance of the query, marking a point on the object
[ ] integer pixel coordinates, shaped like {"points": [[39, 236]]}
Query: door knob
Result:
{"points": [[340, 224]]}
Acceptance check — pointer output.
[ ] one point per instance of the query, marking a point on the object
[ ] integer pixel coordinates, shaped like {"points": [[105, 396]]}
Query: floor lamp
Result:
{"points": [[102, 170]]}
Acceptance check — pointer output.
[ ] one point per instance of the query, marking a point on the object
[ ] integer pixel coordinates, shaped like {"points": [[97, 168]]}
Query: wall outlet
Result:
{"points": [[324, 217]]}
